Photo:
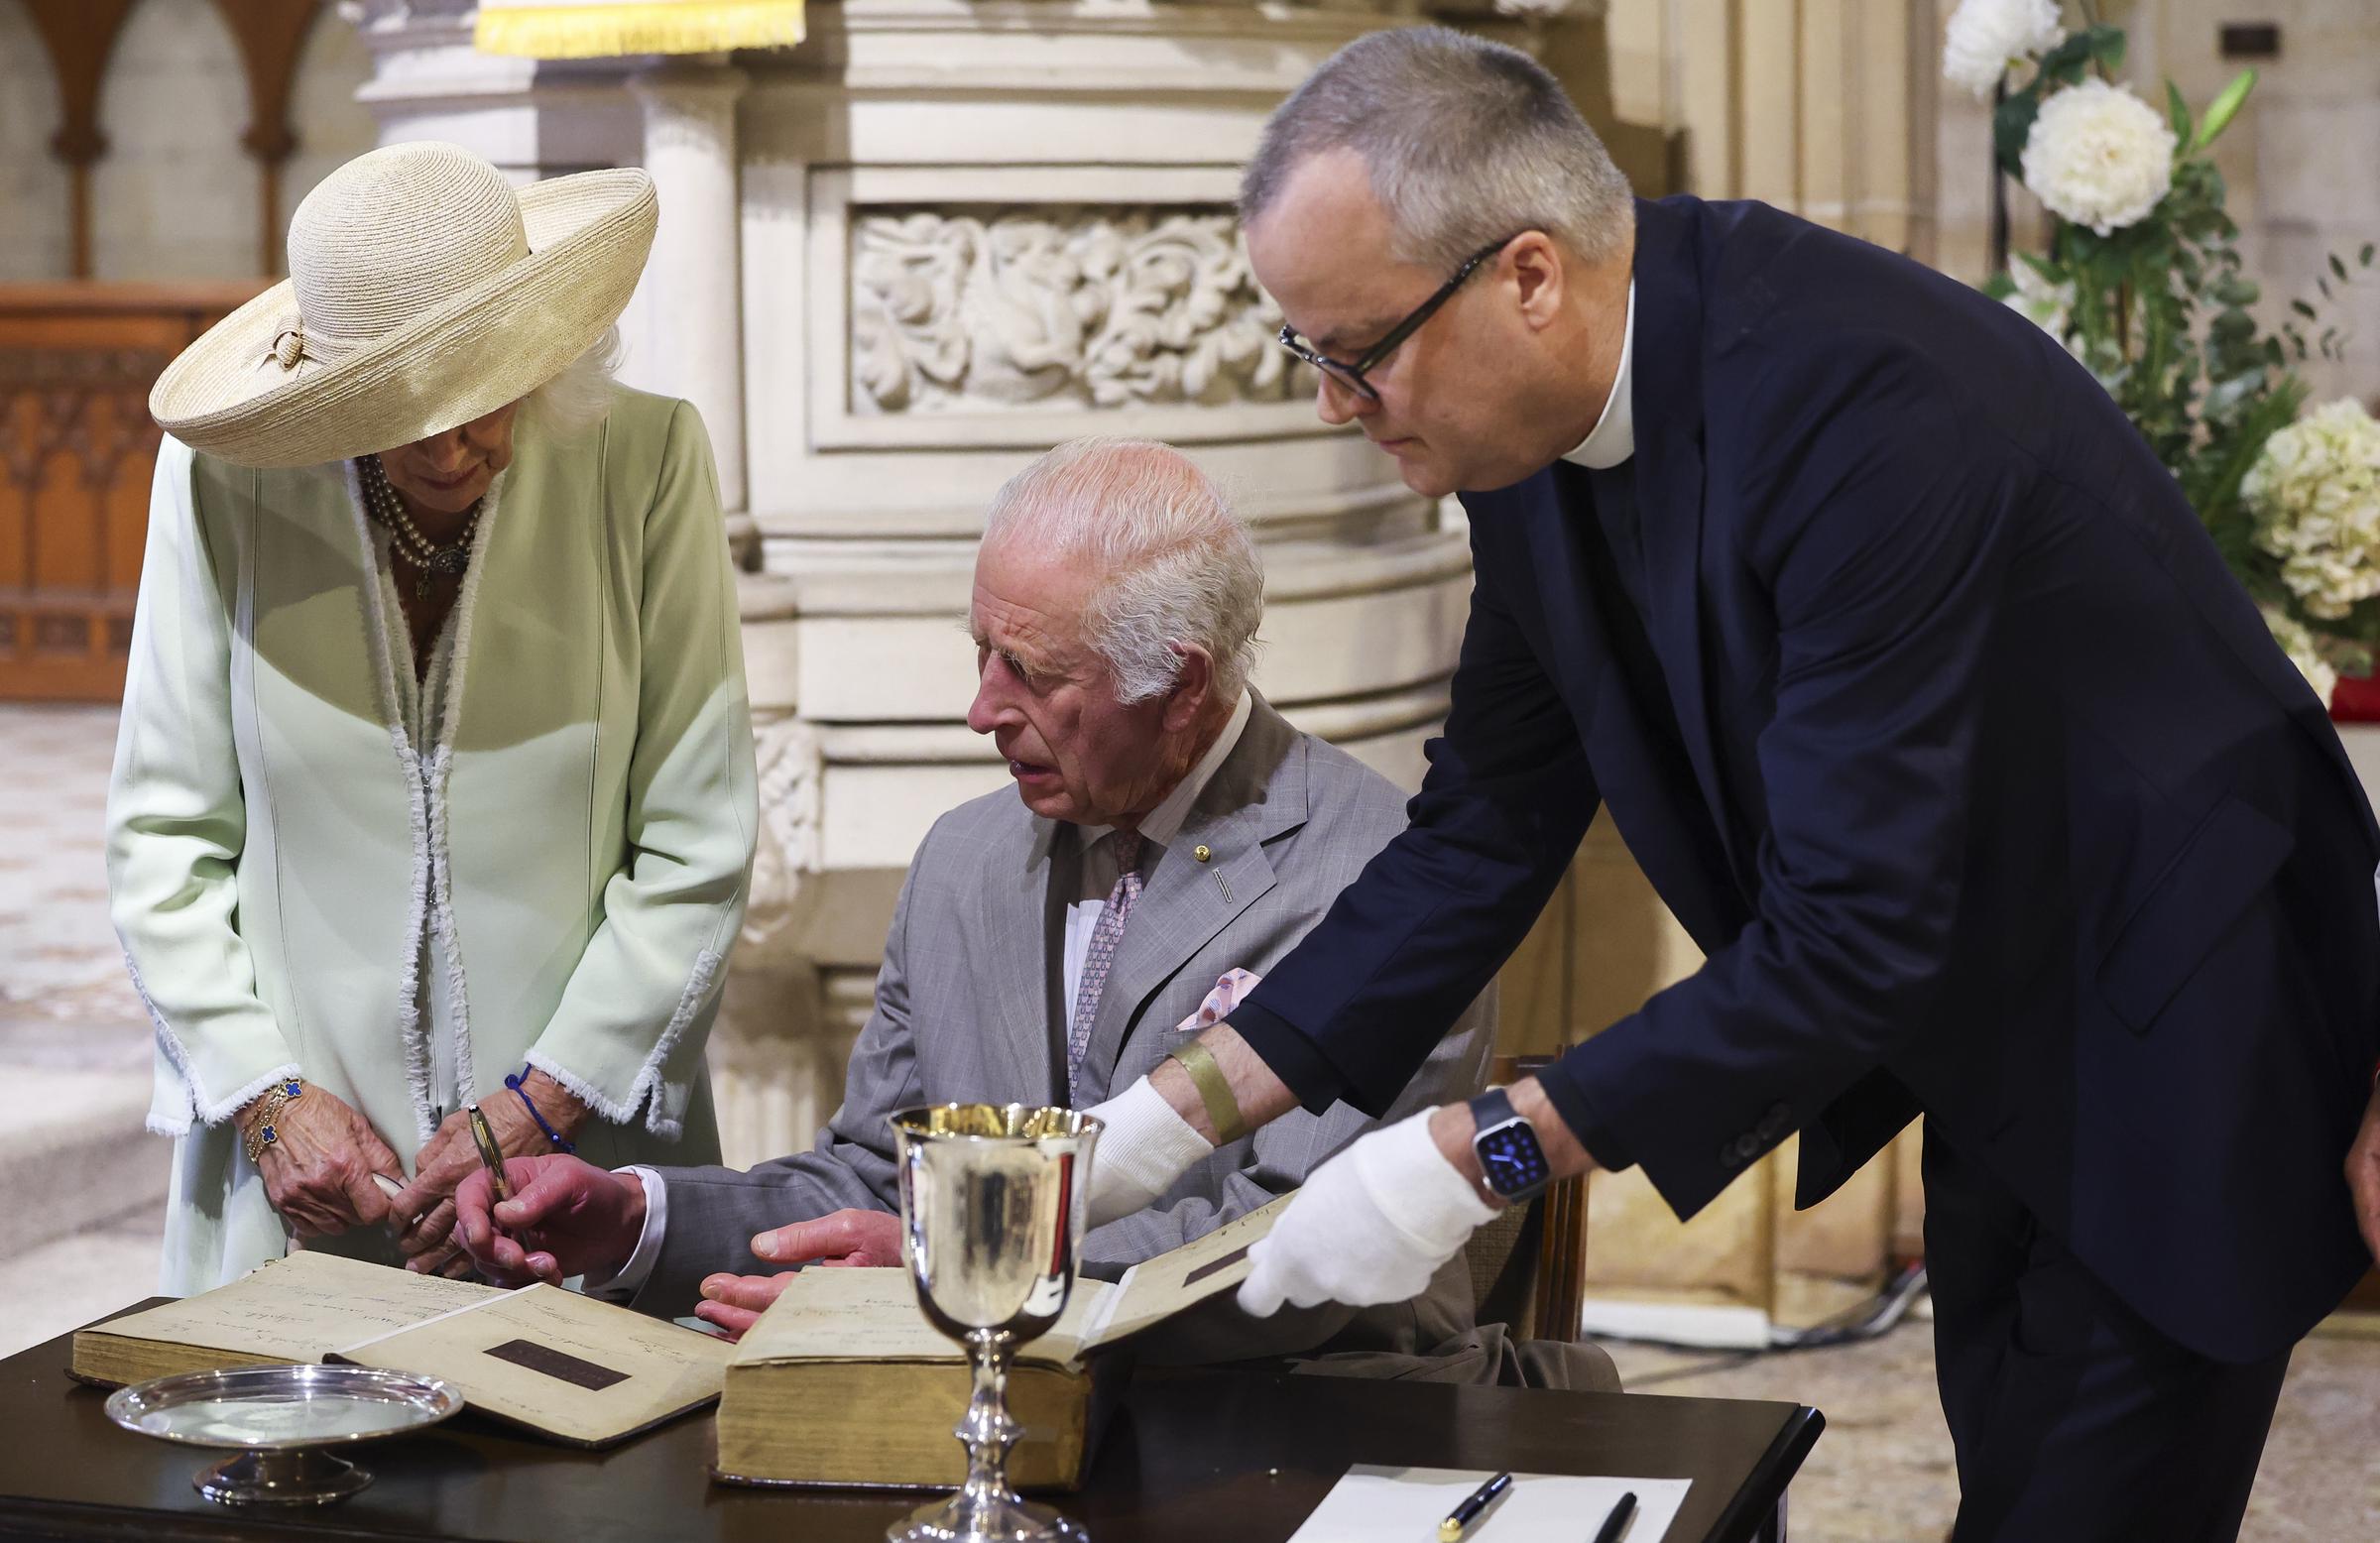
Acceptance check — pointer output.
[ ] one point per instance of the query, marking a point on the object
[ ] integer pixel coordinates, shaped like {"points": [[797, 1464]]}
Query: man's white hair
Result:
{"points": [[1176, 564], [1467, 142]]}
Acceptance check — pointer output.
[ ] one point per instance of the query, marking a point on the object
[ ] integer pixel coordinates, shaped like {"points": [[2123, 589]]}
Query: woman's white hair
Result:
{"points": [[576, 399], [1177, 565], [1467, 142]]}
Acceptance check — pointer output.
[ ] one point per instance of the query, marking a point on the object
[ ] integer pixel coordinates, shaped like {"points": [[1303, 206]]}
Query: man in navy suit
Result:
{"points": [[1928, 707]]}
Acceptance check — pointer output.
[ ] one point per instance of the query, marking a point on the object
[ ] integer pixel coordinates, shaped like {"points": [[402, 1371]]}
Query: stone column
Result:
{"points": [[687, 312]]}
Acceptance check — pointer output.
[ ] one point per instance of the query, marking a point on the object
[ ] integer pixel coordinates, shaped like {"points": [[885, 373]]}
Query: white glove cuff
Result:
{"points": [[1143, 1149], [1417, 1191]]}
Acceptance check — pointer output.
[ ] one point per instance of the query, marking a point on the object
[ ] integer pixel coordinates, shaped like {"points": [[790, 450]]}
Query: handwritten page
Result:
{"points": [[1380, 1505], [873, 1315], [560, 1363], [1153, 1291], [303, 1308]]}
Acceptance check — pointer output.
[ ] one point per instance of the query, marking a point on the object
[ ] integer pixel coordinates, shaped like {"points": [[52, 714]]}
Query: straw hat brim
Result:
{"points": [[496, 342]]}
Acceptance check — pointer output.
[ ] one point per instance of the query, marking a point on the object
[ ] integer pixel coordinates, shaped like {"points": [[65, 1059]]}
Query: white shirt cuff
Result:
{"points": [[631, 1276]]}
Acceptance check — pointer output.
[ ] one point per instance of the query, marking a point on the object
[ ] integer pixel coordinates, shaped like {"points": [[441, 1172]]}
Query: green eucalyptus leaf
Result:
{"points": [[2336, 266], [2178, 111], [2224, 108], [2107, 46], [2302, 310], [2012, 125]]}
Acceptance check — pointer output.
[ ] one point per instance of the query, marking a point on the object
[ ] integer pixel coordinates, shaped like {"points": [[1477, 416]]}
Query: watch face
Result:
{"points": [[1511, 1158]]}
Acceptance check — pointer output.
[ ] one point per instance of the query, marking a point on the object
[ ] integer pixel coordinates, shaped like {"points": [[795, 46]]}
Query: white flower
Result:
{"points": [[2045, 305], [2098, 155], [1984, 36], [2302, 652], [2315, 492]]}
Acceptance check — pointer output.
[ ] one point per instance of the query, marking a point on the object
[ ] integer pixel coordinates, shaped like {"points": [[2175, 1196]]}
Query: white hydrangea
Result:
{"points": [[2315, 492], [2302, 652], [2098, 155], [1984, 35]]}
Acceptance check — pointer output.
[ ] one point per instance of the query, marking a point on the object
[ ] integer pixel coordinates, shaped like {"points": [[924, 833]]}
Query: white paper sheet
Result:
{"points": [[1377, 1504]]}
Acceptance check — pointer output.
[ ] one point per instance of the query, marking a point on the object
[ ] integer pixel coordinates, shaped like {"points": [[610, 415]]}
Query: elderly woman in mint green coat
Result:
{"points": [[434, 780]]}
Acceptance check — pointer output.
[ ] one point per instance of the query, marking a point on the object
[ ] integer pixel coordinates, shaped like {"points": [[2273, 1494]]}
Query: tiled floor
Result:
{"points": [[58, 957], [1881, 1473]]}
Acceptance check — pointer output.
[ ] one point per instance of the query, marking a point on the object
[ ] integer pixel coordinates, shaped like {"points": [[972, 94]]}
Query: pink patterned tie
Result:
{"points": [[1126, 845]]}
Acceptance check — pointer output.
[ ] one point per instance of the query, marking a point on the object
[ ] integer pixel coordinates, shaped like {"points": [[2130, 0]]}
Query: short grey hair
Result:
{"points": [[579, 397], [1467, 141], [1176, 564]]}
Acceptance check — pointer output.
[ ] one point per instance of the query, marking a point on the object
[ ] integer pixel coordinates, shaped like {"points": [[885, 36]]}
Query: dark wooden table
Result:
{"points": [[1190, 1455]]}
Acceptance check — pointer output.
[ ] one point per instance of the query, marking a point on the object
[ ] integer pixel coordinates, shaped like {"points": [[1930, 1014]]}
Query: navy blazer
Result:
{"points": [[2002, 802]]}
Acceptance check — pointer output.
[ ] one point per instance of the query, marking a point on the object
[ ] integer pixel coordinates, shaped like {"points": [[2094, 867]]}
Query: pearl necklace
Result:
{"points": [[425, 557]]}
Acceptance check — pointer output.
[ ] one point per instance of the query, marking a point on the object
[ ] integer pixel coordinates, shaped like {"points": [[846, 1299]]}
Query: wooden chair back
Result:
{"points": [[1528, 1266]]}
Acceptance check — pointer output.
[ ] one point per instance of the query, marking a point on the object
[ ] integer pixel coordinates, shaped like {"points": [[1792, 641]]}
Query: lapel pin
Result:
{"points": [[1202, 852]]}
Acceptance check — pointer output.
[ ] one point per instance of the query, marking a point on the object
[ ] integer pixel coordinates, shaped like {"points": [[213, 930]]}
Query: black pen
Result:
{"points": [[1618, 1522], [1463, 1516]]}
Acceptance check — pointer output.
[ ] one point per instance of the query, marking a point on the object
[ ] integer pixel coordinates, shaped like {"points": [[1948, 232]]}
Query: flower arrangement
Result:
{"points": [[2142, 283]]}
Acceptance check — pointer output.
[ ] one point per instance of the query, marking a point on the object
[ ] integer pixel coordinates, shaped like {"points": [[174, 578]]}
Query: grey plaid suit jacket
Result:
{"points": [[967, 1007]]}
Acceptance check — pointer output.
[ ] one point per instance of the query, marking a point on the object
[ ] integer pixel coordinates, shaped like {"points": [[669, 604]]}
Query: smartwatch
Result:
{"points": [[1506, 1147]]}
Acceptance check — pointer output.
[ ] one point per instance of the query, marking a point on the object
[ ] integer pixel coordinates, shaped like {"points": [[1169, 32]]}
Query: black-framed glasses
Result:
{"points": [[1352, 376]]}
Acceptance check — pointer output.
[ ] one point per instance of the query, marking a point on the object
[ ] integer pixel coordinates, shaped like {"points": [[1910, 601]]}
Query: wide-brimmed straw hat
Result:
{"points": [[423, 292]]}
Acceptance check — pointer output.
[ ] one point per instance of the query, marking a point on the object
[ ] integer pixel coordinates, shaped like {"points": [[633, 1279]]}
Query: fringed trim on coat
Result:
{"points": [[448, 935], [646, 1090], [432, 912], [195, 1109]]}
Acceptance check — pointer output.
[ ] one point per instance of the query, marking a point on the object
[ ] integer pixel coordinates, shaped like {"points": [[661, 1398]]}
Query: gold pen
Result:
{"points": [[491, 1156]]}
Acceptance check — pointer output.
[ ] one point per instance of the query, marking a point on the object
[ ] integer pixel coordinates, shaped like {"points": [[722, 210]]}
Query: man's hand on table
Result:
{"points": [[567, 1217], [846, 1238], [1375, 1223]]}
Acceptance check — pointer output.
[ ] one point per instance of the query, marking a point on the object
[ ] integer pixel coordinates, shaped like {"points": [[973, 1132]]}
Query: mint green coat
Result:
{"points": [[555, 878]]}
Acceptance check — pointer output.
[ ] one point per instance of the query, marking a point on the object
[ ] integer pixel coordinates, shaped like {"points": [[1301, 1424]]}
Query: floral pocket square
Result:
{"points": [[1230, 988]]}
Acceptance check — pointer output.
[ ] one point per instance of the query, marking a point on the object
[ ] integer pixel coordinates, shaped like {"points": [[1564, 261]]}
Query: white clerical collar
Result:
{"points": [[1614, 438], [1164, 823]]}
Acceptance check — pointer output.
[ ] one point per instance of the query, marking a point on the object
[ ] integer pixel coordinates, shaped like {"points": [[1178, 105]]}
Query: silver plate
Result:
{"points": [[277, 1418]]}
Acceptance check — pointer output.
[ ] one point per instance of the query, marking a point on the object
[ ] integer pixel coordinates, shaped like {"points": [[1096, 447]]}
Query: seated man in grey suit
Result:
{"points": [[1054, 942]]}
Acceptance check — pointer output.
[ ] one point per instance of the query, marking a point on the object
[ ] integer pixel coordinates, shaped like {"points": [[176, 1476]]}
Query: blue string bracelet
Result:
{"points": [[552, 1135]]}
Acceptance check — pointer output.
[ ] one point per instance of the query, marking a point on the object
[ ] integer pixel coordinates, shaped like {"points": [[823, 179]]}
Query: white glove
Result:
{"points": [[1146, 1146], [1372, 1224], [1143, 1150]]}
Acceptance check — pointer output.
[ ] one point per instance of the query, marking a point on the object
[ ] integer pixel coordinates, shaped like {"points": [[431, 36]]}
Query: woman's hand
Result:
{"points": [[424, 1209], [318, 1169]]}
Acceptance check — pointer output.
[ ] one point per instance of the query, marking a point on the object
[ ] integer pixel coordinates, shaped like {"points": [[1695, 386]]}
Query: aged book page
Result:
{"points": [[302, 1308], [832, 1314], [556, 1361], [1153, 1291], [873, 1314]]}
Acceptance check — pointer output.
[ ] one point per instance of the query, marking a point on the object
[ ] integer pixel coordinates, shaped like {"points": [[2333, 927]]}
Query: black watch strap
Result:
{"points": [[1512, 1160]]}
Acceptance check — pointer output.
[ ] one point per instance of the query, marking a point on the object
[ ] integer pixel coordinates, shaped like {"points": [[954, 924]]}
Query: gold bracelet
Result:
{"points": [[1214, 1091], [262, 1133]]}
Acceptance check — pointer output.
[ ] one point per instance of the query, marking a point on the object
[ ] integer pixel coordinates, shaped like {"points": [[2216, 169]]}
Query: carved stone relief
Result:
{"points": [[984, 309], [791, 766]]}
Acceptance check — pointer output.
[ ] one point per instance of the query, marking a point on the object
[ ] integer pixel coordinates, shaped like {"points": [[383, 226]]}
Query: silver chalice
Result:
{"points": [[992, 1203]]}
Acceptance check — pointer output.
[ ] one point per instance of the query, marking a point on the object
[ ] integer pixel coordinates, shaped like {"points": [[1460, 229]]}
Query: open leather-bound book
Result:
{"points": [[845, 1382], [558, 1364]]}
